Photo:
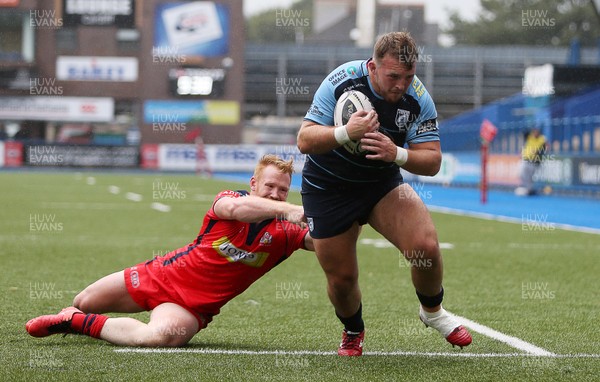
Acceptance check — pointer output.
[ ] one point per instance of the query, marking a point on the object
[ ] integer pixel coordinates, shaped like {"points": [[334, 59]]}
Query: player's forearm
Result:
{"points": [[316, 139], [423, 162], [252, 209], [308, 243]]}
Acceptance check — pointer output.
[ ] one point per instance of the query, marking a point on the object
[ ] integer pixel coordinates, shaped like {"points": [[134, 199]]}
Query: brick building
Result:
{"points": [[112, 71]]}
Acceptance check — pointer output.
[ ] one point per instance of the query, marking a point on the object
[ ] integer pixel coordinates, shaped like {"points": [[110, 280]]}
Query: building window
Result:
{"points": [[66, 40], [128, 40], [16, 43]]}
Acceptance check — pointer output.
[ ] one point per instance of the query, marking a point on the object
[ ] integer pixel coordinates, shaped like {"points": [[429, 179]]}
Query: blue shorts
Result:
{"points": [[333, 211]]}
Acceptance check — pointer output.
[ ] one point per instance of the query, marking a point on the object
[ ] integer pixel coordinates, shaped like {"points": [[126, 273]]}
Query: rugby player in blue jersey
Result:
{"points": [[352, 177]]}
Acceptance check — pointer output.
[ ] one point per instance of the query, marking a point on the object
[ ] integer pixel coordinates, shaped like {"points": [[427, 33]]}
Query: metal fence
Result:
{"points": [[281, 79], [569, 135]]}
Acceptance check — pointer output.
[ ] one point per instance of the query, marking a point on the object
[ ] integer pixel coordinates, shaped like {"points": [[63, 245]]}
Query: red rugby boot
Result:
{"points": [[448, 327], [44, 326], [352, 344], [459, 337]]}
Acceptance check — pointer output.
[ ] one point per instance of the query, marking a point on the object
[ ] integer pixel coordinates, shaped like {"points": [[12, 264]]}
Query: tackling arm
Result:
{"points": [[252, 209], [308, 242]]}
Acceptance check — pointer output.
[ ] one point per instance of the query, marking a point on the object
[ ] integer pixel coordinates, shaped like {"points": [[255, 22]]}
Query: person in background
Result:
{"points": [[533, 152]]}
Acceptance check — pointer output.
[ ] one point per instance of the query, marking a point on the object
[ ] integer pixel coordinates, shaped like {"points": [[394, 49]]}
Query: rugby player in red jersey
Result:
{"points": [[243, 236]]}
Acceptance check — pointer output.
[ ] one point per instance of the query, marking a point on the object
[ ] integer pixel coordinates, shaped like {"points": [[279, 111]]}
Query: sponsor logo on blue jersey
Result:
{"points": [[402, 118]]}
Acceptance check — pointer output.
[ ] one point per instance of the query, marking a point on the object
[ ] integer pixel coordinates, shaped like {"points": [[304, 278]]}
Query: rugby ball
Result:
{"points": [[349, 103]]}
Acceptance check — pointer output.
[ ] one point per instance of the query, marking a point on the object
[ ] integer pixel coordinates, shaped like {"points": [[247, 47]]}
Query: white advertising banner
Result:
{"points": [[63, 109], [223, 158], [180, 157], [89, 68]]}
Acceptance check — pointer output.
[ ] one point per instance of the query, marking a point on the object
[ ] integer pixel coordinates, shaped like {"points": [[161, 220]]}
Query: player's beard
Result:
{"points": [[393, 97]]}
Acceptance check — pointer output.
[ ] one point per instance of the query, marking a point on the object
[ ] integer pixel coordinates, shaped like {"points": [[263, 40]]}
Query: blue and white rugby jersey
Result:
{"points": [[411, 120]]}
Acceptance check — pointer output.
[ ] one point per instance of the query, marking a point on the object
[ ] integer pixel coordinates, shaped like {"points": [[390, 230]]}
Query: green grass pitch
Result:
{"points": [[61, 231]]}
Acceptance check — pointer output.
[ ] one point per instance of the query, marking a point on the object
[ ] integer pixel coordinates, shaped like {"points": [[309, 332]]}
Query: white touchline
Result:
{"points": [[509, 340], [506, 219], [457, 354], [529, 349]]}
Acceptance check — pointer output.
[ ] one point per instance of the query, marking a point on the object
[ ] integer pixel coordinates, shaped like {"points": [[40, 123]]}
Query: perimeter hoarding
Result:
{"points": [[65, 109]]}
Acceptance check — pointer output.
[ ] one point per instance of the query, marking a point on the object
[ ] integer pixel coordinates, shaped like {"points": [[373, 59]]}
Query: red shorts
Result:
{"points": [[150, 289]]}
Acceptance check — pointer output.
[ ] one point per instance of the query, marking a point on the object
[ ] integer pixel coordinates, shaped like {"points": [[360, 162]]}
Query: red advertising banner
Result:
{"points": [[13, 154], [149, 156], [9, 3]]}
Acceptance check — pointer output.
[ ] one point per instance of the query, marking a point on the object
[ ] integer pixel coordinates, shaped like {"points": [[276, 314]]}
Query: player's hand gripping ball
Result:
{"points": [[349, 103]]}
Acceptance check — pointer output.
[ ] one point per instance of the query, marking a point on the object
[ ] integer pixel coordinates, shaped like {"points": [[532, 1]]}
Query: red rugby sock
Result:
{"points": [[89, 324]]}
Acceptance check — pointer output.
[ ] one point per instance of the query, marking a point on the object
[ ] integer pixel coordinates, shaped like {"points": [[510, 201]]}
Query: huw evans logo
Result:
{"points": [[537, 18]]}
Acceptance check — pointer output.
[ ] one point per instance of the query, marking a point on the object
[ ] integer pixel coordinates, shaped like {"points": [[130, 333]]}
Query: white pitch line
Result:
{"points": [[114, 189], [160, 207], [509, 340], [89, 206], [457, 354], [506, 219], [383, 243], [204, 197], [133, 197]]}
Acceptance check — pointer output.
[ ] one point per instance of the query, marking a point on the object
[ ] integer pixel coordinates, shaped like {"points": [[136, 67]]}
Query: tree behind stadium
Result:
{"points": [[528, 22]]}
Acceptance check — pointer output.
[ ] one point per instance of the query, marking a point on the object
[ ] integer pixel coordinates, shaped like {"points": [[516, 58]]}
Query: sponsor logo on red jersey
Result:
{"points": [[227, 249]]}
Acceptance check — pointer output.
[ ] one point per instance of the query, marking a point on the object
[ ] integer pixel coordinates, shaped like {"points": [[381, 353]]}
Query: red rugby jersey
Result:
{"points": [[227, 257]]}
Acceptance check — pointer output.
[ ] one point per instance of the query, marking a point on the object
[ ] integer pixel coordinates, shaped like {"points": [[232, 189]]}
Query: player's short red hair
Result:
{"points": [[286, 167]]}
